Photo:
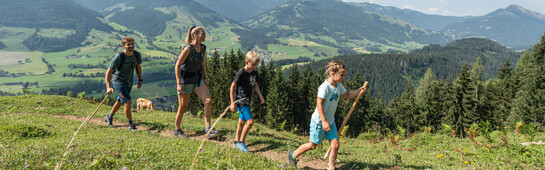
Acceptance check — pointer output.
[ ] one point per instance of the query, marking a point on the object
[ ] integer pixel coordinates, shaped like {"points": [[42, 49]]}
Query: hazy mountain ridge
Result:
{"points": [[241, 10], [351, 24], [513, 26], [432, 22]]}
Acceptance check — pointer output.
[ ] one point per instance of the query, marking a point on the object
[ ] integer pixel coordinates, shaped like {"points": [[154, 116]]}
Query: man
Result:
{"points": [[120, 75]]}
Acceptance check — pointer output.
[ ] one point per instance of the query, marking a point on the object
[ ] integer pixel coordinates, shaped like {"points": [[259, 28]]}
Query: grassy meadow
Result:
{"points": [[34, 135]]}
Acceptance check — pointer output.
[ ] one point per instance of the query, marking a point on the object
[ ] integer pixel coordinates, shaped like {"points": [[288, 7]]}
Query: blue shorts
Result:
{"points": [[317, 132], [123, 92], [244, 113]]}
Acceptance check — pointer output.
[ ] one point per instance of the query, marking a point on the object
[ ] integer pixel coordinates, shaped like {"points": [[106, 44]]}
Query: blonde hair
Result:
{"points": [[333, 67], [194, 30], [252, 57], [126, 40]]}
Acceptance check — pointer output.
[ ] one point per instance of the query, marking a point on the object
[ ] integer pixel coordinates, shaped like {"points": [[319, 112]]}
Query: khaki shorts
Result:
{"points": [[188, 88]]}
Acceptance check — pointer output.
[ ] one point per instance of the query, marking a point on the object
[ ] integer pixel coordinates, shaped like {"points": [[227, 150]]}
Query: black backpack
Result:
{"points": [[122, 55], [191, 53]]}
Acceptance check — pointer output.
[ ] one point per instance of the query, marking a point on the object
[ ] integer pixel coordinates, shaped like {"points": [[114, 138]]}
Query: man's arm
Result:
{"points": [[108, 80]]}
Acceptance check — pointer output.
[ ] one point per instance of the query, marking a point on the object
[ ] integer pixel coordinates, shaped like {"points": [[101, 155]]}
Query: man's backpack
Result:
{"points": [[122, 55]]}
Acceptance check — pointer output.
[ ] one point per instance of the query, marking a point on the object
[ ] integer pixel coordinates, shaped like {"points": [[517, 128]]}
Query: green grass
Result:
{"points": [[13, 37], [43, 147], [55, 32], [35, 65]]}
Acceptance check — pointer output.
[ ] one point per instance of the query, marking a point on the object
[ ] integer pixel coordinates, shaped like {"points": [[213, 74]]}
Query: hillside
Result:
{"points": [[35, 136], [445, 62], [97, 5], [50, 14], [513, 26], [431, 22], [349, 29], [241, 10]]}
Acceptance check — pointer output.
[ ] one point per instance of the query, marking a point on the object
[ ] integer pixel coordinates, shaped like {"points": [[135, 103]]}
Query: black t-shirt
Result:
{"points": [[245, 84]]}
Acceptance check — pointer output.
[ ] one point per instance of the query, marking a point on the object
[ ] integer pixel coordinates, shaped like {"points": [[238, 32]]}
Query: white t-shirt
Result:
{"points": [[331, 96]]}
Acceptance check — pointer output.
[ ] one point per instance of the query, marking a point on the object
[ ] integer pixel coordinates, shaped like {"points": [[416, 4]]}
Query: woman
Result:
{"points": [[191, 77]]}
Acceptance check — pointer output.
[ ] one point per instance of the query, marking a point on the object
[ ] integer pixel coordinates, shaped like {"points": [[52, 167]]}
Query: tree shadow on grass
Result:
{"points": [[277, 142], [154, 126], [362, 165]]}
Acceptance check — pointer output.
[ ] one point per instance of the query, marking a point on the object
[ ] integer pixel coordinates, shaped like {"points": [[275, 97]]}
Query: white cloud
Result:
{"points": [[433, 10], [409, 7]]}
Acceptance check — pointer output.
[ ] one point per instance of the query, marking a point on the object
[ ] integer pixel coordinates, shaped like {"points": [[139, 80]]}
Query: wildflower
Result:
{"points": [[440, 154], [466, 162], [282, 166], [472, 163], [237, 156], [474, 156], [143, 159], [445, 151], [27, 166], [201, 151], [124, 168], [505, 127]]}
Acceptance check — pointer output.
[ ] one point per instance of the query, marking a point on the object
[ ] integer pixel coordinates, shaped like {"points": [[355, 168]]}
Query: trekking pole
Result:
{"points": [[349, 113], [202, 143], [59, 165]]}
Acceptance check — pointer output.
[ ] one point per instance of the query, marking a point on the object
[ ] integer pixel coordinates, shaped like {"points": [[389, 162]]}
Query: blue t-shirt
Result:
{"points": [[331, 96], [126, 73]]}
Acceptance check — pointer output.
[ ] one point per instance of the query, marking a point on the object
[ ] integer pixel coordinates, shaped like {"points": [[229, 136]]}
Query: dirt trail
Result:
{"points": [[304, 163]]}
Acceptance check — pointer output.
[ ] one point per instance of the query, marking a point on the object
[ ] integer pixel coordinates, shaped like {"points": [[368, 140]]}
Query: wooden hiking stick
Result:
{"points": [[59, 165], [349, 113], [206, 135]]}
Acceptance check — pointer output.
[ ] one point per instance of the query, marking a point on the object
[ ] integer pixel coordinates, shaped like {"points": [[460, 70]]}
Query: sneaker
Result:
{"points": [[179, 133], [242, 147], [109, 121], [235, 144], [213, 133], [133, 127], [293, 161]]}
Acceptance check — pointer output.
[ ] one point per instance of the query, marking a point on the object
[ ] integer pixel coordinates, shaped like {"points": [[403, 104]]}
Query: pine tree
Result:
{"points": [[277, 101], [464, 114], [406, 114], [529, 102]]}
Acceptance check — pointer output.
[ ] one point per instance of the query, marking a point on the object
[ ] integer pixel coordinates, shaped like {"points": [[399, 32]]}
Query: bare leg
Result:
{"points": [[127, 110], [240, 126], [333, 154], [183, 100], [246, 129], [116, 106], [303, 148], [203, 93]]}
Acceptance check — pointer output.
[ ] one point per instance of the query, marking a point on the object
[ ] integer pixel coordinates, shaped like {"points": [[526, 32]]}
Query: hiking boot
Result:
{"points": [[242, 147], [179, 133], [109, 121], [213, 133], [133, 127], [293, 161]]}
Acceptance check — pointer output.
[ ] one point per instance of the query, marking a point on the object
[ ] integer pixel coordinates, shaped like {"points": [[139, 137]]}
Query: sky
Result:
{"points": [[458, 7]]}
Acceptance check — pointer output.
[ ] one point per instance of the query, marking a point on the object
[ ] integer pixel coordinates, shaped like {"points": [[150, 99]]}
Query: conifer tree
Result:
{"points": [[277, 101], [406, 114], [528, 104], [464, 114]]}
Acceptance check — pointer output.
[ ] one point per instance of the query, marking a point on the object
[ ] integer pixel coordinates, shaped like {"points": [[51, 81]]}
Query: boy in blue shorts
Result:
{"points": [[322, 123], [120, 74], [244, 83]]}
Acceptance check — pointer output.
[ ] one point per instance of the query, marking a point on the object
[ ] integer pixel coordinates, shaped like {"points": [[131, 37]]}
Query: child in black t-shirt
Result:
{"points": [[242, 87]]}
